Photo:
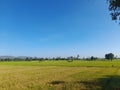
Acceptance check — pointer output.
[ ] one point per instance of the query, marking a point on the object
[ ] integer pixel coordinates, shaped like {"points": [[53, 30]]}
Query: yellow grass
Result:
{"points": [[58, 78], [34, 77]]}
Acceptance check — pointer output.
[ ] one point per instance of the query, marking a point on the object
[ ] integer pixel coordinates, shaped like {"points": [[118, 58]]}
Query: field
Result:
{"points": [[60, 75]]}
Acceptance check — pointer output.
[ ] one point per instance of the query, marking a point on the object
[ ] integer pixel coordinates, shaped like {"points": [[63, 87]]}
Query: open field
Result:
{"points": [[75, 63], [60, 75]]}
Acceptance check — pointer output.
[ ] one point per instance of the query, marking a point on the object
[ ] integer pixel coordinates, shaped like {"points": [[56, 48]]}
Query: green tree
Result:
{"points": [[93, 58], [109, 56], [78, 56], [114, 8]]}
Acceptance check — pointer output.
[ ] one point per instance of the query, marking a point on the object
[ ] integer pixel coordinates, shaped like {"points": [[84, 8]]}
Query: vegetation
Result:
{"points": [[74, 63], [114, 8], [60, 75], [109, 56]]}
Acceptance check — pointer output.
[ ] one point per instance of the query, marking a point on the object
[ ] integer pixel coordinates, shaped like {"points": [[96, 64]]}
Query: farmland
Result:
{"points": [[60, 75]]}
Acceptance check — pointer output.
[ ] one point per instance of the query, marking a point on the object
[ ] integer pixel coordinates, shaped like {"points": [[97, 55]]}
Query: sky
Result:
{"points": [[51, 28]]}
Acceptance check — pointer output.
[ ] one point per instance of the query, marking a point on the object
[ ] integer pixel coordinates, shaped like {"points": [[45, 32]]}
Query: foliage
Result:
{"points": [[109, 56], [93, 58], [114, 8]]}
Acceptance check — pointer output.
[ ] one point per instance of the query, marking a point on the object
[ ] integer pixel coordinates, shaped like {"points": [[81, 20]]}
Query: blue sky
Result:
{"points": [[47, 28]]}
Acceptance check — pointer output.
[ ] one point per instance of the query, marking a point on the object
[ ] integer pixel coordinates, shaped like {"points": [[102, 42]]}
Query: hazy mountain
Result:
{"points": [[6, 57]]}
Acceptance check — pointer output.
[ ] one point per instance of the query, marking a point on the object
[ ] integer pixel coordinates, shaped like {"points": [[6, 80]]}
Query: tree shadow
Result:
{"points": [[107, 83], [57, 85], [57, 82]]}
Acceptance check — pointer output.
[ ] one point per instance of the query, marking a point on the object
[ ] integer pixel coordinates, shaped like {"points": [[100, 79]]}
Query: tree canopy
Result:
{"points": [[109, 56], [114, 8]]}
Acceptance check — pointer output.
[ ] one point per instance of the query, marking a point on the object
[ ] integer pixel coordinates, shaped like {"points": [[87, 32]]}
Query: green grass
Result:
{"points": [[76, 63], [60, 75]]}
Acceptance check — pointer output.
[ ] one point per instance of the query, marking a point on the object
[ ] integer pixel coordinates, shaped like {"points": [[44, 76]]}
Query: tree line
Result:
{"points": [[109, 56]]}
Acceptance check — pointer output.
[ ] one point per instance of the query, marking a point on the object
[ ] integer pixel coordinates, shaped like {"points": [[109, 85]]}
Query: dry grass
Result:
{"points": [[33, 77], [59, 78]]}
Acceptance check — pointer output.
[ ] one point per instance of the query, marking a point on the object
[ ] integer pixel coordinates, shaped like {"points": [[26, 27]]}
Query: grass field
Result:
{"points": [[60, 75]]}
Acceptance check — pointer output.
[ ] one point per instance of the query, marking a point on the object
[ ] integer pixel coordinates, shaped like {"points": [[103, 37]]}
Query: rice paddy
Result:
{"points": [[60, 75]]}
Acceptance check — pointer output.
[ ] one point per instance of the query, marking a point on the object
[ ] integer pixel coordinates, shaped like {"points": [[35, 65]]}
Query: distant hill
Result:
{"points": [[13, 57], [6, 57]]}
